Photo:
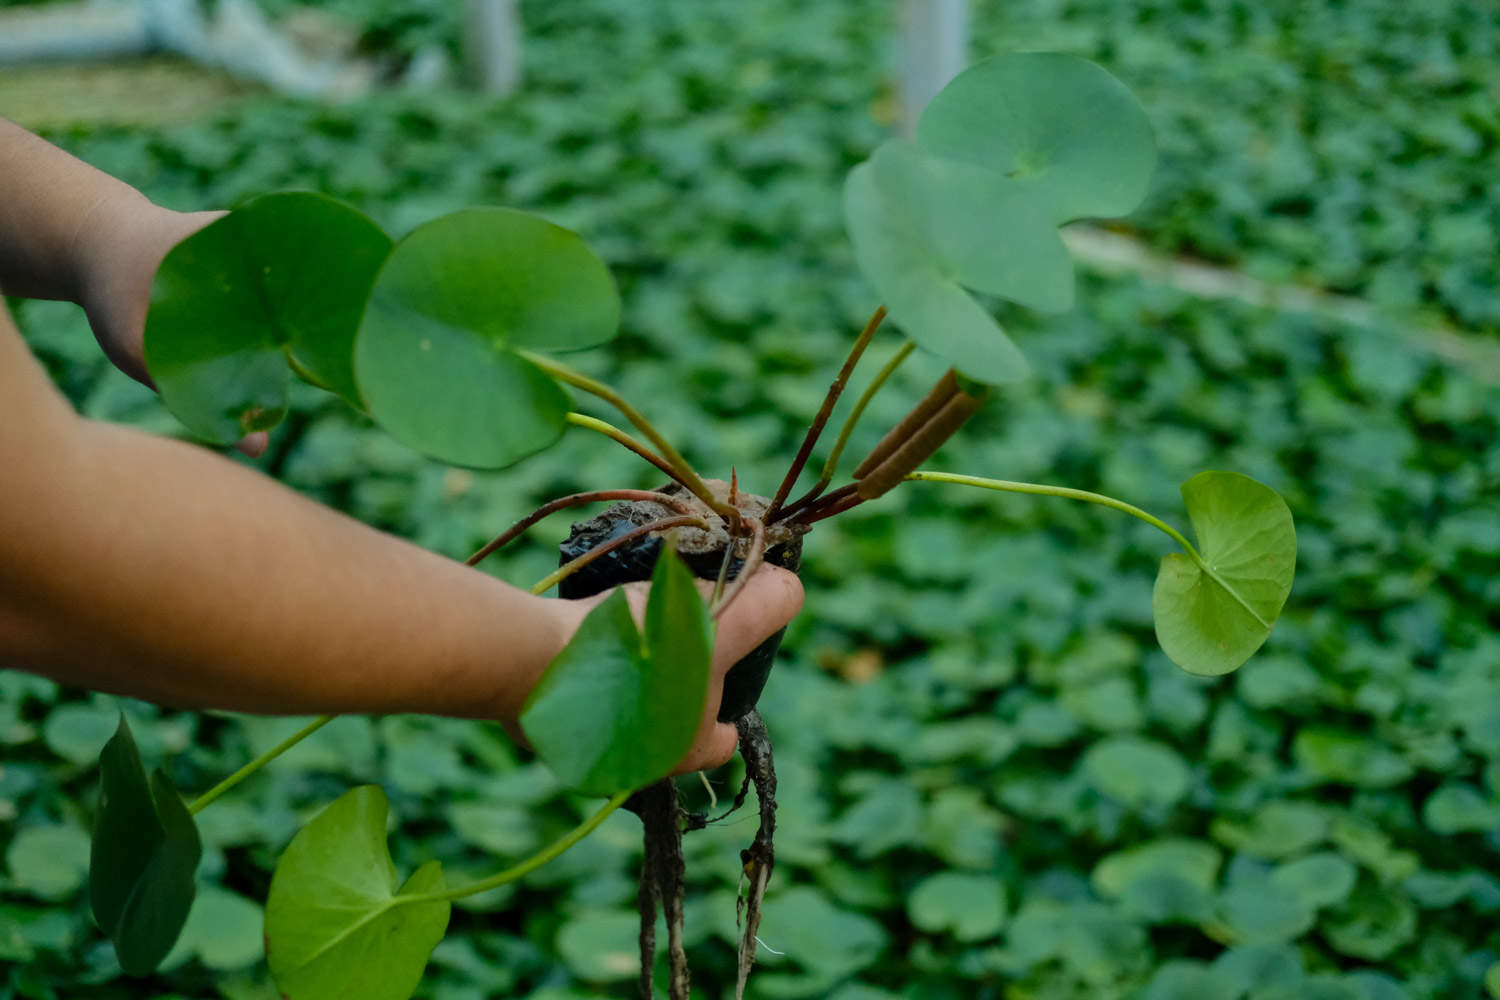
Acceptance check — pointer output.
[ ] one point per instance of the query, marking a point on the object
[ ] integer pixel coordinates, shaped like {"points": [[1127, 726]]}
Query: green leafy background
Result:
{"points": [[974, 692]]}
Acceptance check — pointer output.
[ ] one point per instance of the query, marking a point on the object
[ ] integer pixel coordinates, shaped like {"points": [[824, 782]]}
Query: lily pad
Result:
{"points": [[970, 906], [145, 851], [336, 923], [436, 357], [617, 708], [275, 287], [1214, 611], [1062, 128]]}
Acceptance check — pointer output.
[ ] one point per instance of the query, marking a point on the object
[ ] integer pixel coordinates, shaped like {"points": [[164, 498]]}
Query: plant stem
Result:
{"points": [[1006, 486], [569, 568], [209, 797], [836, 502], [611, 431], [752, 563], [832, 464], [574, 500], [526, 867], [821, 420], [817, 505], [674, 458]]}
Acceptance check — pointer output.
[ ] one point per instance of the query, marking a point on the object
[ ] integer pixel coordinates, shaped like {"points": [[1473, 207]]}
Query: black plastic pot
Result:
{"points": [[703, 552]]}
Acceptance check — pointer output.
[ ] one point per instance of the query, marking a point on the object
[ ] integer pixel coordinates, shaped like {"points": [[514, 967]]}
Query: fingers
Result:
{"points": [[772, 598], [253, 445], [714, 749]]}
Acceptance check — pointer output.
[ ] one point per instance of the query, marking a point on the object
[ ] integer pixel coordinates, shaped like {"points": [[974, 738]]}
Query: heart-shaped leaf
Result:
{"points": [[617, 709], [436, 354], [1213, 612], [336, 923], [1070, 134], [278, 283], [145, 851]]}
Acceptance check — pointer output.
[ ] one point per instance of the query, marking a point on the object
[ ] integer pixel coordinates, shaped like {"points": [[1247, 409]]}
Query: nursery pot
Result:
{"points": [[702, 551]]}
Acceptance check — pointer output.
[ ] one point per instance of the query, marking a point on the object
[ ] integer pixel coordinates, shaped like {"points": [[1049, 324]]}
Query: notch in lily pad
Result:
{"points": [[439, 357], [338, 923], [1012, 148], [1216, 605], [272, 290], [619, 707], [145, 851]]}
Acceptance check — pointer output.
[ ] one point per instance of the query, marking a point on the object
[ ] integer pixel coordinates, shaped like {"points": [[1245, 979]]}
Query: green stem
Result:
{"points": [[674, 458], [614, 433], [1006, 486], [209, 797], [526, 867]]}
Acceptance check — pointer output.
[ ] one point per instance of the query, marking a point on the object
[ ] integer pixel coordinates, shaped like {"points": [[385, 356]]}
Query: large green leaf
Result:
{"points": [[279, 282], [929, 305], [617, 709], [145, 851], [1212, 615], [436, 354], [336, 925], [1072, 136]]}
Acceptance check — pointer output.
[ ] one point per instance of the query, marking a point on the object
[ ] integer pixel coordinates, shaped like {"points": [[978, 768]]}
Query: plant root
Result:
{"points": [[663, 870]]}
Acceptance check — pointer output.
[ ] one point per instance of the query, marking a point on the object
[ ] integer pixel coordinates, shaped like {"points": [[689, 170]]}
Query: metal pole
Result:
{"points": [[934, 48]]}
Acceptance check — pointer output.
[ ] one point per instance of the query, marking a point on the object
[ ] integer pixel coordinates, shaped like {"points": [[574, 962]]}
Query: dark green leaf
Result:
{"points": [[1211, 616], [282, 280], [617, 709], [436, 354], [145, 851], [336, 925]]}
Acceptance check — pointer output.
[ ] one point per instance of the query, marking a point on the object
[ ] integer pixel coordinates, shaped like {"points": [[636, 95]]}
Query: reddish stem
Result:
{"points": [[573, 566], [821, 420], [577, 499]]}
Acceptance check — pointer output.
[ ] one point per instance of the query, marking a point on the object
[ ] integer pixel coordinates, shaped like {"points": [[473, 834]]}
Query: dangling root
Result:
{"points": [[663, 870], [760, 857]]}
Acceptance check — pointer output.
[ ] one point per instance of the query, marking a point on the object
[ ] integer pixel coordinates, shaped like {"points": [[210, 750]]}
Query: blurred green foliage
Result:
{"points": [[992, 783]]}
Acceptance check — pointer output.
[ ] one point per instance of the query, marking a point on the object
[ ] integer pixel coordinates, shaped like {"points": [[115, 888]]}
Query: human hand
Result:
{"points": [[771, 598], [128, 239]]}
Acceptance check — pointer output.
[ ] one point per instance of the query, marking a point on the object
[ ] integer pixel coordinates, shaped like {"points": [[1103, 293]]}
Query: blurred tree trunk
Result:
{"points": [[934, 48], [493, 45]]}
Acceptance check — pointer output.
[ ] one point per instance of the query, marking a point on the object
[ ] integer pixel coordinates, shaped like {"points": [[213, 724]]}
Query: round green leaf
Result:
{"points": [[1212, 615], [1460, 808], [617, 709], [971, 906], [336, 923], [601, 947], [436, 357], [1492, 981], [281, 281], [1372, 924], [48, 861], [1136, 772], [1061, 127], [77, 733], [1193, 861], [1319, 880], [815, 934], [1277, 829], [145, 851], [1264, 913], [929, 305], [224, 930]]}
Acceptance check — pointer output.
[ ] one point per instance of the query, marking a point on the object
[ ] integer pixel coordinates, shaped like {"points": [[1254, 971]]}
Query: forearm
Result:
{"points": [[230, 591]]}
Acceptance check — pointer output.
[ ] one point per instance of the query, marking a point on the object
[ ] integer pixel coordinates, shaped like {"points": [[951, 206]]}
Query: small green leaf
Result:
{"points": [[49, 861], [970, 906], [145, 851], [336, 925], [601, 947], [1194, 861], [617, 709], [279, 282], [1264, 913], [1492, 981], [436, 354], [1136, 772], [1211, 616], [1319, 880], [1064, 129]]}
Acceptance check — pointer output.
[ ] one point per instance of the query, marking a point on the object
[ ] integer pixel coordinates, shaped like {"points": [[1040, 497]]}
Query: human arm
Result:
{"points": [[151, 567]]}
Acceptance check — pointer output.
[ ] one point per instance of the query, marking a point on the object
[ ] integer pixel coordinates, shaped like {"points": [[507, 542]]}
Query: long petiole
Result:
{"points": [[832, 464], [611, 431], [526, 867], [821, 420], [574, 500], [569, 568], [673, 457], [1038, 489], [209, 797]]}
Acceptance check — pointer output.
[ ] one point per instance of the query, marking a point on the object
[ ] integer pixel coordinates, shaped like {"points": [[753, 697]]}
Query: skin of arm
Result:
{"points": [[156, 569]]}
